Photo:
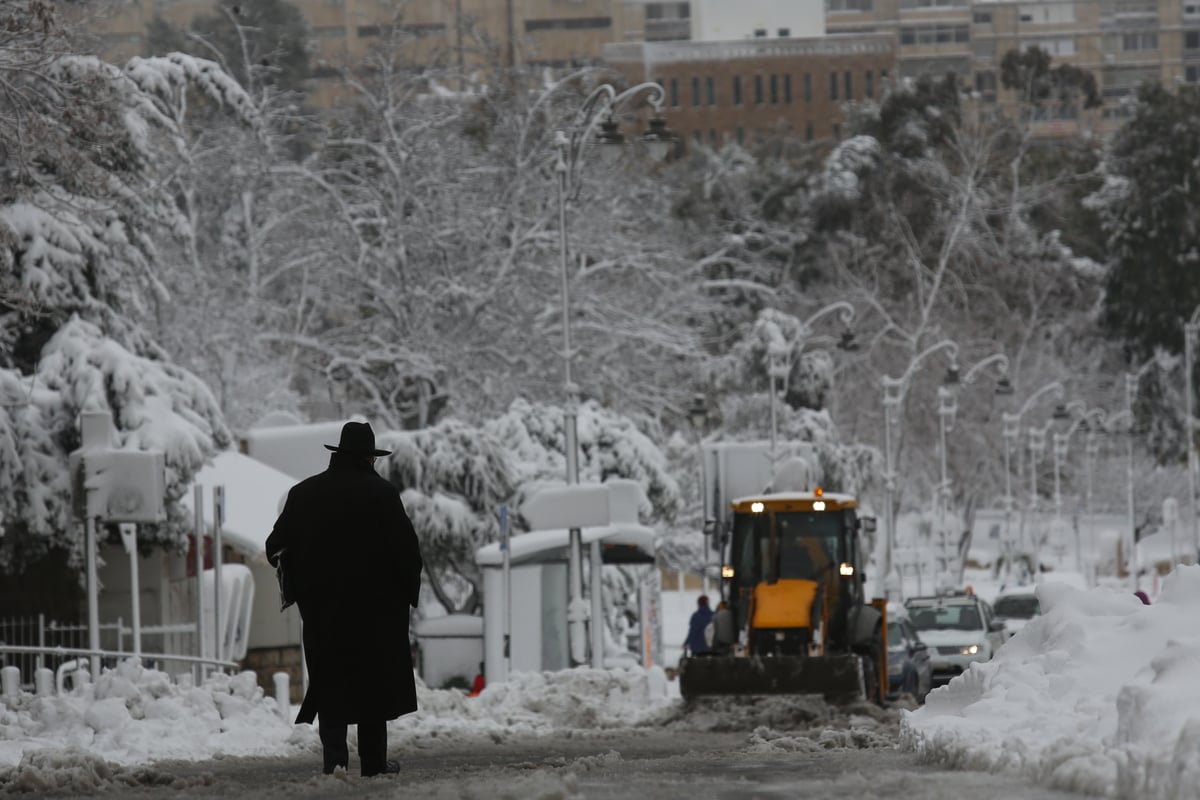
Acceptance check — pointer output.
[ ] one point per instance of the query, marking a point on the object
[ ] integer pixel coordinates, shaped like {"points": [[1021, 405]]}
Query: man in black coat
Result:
{"points": [[352, 559]]}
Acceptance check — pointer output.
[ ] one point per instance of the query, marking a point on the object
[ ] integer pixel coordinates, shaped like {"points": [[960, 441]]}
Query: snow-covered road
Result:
{"points": [[703, 752]]}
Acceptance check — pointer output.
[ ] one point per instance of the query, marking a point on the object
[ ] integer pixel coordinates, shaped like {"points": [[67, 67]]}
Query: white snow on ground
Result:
{"points": [[134, 715], [1098, 695]]}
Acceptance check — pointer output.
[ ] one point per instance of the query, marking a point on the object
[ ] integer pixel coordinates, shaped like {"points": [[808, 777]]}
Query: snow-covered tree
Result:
{"points": [[81, 202]]}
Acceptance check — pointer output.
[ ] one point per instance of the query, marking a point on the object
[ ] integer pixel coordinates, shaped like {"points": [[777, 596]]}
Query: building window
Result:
{"points": [[695, 91], [774, 89], [1144, 40], [712, 138], [1191, 73], [1191, 10], [808, 132], [569, 24], [869, 85], [741, 135], [837, 131], [758, 89], [787, 89], [785, 33], [698, 138], [808, 87], [1191, 40], [983, 18], [710, 87], [760, 33], [882, 81], [849, 5], [833, 85], [674, 93], [849, 86], [737, 90]]}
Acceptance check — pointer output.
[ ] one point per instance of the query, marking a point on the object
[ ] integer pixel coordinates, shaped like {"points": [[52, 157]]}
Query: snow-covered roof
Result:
{"points": [[294, 449], [797, 496], [451, 626], [254, 495], [552, 545]]}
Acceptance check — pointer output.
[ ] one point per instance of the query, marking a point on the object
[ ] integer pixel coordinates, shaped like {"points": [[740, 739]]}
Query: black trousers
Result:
{"points": [[372, 745]]}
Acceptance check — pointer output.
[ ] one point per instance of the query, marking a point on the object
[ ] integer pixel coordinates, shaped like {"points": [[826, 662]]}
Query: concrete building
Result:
{"points": [[721, 20], [718, 92], [1122, 42]]}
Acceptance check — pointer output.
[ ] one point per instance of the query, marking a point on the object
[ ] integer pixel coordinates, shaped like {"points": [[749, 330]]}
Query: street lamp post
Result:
{"points": [[894, 390], [597, 110], [947, 410], [1062, 440], [1037, 447], [1131, 387], [1012, 432], [1092, 449]]}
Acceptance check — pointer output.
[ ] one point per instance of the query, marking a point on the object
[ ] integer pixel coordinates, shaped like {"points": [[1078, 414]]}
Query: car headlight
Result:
{"points": [[970, 650]]}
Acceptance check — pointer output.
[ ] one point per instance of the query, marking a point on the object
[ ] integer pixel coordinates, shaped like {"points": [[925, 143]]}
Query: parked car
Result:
{"points": [[959, 630], [1015, 608], [909, 667]]}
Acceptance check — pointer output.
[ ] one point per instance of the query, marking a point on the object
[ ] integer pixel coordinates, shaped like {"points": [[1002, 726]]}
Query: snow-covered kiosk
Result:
{"points": [[539, 591], [451, 648]]}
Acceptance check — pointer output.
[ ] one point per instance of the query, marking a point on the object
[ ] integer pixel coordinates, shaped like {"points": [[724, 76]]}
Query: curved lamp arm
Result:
{"points": [[894, 388], [1053, 386], [1097, 414], [603, 102], [999, 360], [846, 312]]}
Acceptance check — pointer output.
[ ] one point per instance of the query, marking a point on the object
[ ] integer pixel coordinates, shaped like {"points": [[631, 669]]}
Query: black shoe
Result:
{"points": [[389, 768]]}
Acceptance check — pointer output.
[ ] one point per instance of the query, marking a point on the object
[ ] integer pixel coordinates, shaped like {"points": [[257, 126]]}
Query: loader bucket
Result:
{"points": [[839, 678]]}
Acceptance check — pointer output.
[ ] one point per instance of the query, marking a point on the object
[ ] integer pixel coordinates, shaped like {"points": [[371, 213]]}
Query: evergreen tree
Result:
{"points": [[1150, 206]]}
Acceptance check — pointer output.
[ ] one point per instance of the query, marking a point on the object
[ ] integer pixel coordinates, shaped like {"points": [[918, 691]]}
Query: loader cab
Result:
{"points": [[796, 536]]}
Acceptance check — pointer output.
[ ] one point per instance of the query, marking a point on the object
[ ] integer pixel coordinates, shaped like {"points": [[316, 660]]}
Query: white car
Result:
{"points": [[958, 628]]}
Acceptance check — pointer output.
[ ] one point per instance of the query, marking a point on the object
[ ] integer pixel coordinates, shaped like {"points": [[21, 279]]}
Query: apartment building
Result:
{"points": [[723, 91], [1122, 42]]}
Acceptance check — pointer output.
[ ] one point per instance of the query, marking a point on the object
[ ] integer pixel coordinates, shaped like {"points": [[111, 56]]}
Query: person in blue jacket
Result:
{"points": [[696, 644]]}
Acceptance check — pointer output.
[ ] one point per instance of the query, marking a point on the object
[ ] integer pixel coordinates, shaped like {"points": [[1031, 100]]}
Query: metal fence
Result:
{"points": [[19, 636]]}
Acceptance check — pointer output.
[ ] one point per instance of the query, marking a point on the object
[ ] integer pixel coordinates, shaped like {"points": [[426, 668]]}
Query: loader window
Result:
{"points": [[808, 544]]}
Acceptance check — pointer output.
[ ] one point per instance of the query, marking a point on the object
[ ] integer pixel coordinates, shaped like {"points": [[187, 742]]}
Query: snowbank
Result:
{"points": [[534, 703], [1096, 695], [134, 715]]}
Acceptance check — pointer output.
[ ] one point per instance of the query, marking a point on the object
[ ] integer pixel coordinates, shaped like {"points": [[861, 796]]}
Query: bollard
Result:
{"points": [[43, 681], [283, 694], [10, 684], [74, 666]]}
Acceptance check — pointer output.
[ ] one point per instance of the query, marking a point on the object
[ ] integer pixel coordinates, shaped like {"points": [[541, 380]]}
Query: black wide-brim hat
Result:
{"points": [[357, 440]]}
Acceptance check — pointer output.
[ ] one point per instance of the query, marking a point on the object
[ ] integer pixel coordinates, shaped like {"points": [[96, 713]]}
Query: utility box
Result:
{"points": [[115, 485]]}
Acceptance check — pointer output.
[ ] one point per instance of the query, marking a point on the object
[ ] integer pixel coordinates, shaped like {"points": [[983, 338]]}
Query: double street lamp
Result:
{"points": [[594, 128], [1131, 387], [1087, 420], [894, 390], [947, 410]]}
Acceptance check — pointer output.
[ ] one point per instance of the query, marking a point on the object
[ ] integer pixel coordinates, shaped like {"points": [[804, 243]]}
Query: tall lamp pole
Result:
{"points": [[597, 111], [1131, 387], [1012, 432], [1085, 419], [947, 411], [894, 390]]}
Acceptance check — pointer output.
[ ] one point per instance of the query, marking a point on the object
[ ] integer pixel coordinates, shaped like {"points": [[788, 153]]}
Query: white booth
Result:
{"points": [[538, 563]]}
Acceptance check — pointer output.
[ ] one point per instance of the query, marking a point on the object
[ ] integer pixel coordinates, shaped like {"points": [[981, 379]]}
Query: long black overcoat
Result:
{"points": [[353, 557]]}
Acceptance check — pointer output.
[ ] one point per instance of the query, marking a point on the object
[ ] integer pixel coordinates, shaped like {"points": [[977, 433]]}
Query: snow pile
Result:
{"points": [[1096, 695], [135, 715], [859, 733], [534, 703]]}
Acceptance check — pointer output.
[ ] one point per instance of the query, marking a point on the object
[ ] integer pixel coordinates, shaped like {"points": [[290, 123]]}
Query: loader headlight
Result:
{"points": [[846, 569], [818, 505], [727, 572], [970, 650], [757, 507]]}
